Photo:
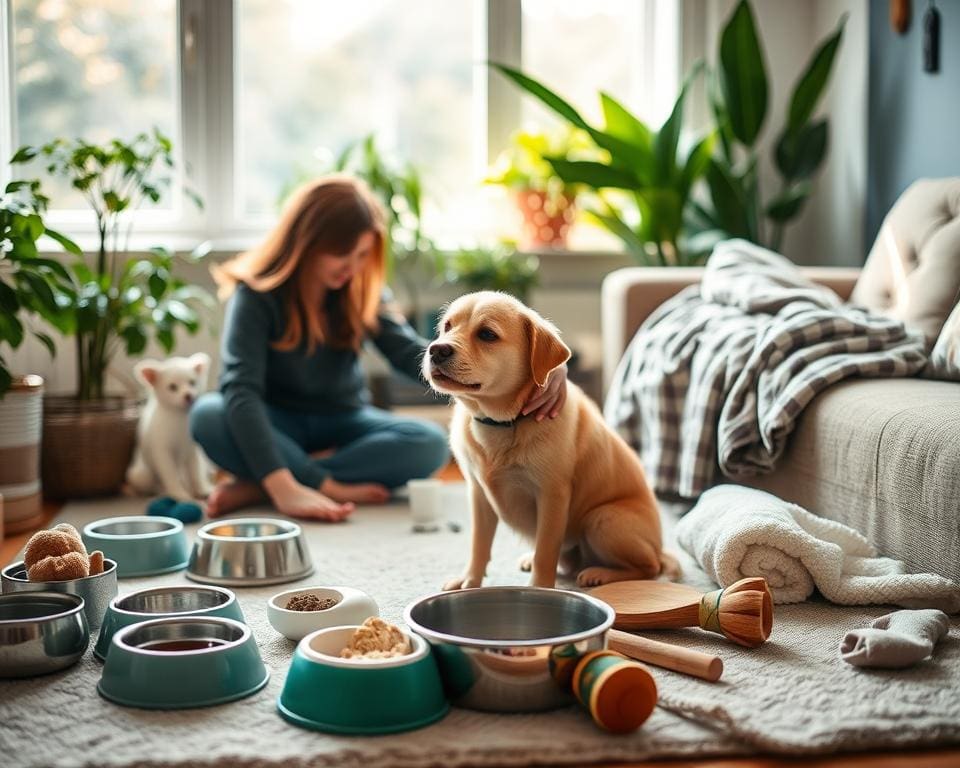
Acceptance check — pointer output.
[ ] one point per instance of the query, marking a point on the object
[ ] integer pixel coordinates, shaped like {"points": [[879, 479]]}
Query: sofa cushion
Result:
{"points": [[881, 456], [913, 270]]}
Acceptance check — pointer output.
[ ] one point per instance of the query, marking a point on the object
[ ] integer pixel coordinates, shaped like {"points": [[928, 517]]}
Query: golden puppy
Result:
{"points": [[569, 484]]}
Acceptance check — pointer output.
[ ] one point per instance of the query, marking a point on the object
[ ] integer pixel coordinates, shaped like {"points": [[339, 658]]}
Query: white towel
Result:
{"points": [[734, 532]]}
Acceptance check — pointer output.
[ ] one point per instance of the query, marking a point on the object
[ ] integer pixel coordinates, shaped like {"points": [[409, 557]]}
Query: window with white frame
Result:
{"points": [[261, 94]]}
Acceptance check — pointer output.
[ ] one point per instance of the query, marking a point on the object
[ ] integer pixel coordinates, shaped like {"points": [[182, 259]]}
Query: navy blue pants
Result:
{"points": [[372, 445]]}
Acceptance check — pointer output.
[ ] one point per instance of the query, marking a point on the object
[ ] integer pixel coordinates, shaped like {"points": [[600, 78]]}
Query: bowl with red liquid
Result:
{"points": [[181, 663]]}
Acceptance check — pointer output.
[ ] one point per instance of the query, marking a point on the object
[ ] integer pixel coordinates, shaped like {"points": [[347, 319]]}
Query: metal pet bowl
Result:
{"points": [[249, 552], [180, 663], [141, 545], [161, 602], [97, 591], [41, 632], [500, 648]]}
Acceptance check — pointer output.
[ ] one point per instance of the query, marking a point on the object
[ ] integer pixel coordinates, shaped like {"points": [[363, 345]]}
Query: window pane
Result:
{"points": [[314, 77], [579, 49], [96, 69]]}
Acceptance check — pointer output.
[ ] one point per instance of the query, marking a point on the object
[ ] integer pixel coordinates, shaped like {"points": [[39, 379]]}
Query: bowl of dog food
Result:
{"points": [[141, 545], [161, 602], [95, 591], [378, 678], [495, 646], [40, 633], [181, 663], [249, 552], [298, 612]]}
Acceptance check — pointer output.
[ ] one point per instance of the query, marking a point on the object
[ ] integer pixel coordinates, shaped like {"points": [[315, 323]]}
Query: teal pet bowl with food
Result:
{"points": [[141, 545], [181, 663], [324, 692], [164, 602]]}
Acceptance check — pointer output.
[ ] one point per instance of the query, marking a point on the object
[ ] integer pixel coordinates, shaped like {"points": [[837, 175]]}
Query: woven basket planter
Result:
{"points": [[87, 445], [20, 420]]}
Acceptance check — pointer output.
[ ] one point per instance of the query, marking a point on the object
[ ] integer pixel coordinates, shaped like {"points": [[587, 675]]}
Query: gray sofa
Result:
{"points": [[882, 456]]}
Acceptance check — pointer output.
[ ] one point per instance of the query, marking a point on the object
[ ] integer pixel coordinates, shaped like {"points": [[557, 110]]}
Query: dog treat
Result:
{"points": [[310, 603], [59, 555], [376, 639]]}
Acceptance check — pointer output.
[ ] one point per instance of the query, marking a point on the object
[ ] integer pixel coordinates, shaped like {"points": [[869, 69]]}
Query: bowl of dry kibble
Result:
{"points": [[298, 612], [367, 679]]}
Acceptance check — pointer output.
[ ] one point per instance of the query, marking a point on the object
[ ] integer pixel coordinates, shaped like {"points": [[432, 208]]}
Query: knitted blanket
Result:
{"points": [[734, 532], [717, 376]]}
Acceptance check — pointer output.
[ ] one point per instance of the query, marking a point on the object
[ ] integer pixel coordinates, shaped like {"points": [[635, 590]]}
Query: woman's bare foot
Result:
{"points": [[304, 502], [359, 493], [231, 495]]}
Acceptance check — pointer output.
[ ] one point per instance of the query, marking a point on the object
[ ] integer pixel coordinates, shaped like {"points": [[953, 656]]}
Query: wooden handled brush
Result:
{"points": [[743, 612]]}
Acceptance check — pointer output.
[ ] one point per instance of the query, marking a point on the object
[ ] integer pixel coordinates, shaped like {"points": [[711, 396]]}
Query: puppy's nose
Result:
{"points": [[188, 399], [440, 352]]}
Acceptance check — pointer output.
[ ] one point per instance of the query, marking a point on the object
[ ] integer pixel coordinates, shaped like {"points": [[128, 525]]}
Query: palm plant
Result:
{"points": [[738, 98], [644, 178]]}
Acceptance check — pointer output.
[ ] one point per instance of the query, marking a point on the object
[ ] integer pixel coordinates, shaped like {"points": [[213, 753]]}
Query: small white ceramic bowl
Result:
{"points": [[354, 607]]}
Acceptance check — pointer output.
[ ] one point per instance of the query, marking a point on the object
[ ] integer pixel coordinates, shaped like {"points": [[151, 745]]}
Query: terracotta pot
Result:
{"points": [[546, 218], [21, 417], [87, 445]]}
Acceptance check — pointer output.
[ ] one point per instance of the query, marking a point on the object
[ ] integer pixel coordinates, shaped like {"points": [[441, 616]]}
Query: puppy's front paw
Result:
{"points": [[594, 577], [525, 563], [463, 582]]}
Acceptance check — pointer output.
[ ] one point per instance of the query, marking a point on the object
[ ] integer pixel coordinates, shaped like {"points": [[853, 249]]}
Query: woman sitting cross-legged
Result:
{"points": [[291, 385]]}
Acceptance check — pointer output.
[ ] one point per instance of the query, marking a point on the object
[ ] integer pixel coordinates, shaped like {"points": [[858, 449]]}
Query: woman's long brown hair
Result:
{"points": [[326, 216]]}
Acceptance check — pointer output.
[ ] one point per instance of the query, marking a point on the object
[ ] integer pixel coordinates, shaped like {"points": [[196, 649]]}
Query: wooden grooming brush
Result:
{"points": [[743, 612]]}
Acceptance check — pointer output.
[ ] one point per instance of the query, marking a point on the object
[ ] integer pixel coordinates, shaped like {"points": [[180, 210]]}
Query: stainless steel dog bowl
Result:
{"points": [[158, 602], [249, 552], [498, 647], [97, 591], [142, 545], [40, 632]]}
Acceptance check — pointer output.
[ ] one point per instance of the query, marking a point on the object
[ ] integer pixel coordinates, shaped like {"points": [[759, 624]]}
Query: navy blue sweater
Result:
{"points": [[254, 374]]}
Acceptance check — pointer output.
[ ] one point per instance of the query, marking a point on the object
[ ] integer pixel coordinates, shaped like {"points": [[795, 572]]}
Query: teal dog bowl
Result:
{"points": [[326, 693], [181, 663], [142, 546], [162, 602]]}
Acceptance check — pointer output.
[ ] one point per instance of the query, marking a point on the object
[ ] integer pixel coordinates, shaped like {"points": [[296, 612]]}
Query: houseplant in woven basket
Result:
{"points": [[33, 290], [547, 203], [122, 300]]}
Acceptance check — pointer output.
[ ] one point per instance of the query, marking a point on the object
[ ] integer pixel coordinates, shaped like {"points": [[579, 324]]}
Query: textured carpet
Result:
{"points": [[794, 695]]}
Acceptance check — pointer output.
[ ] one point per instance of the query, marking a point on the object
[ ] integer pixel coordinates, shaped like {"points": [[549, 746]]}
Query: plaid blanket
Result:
{"points": [[716, 377]]}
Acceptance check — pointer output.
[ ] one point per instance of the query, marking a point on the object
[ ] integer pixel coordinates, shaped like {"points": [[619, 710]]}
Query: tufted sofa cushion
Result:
{"points": [[913, 270]]}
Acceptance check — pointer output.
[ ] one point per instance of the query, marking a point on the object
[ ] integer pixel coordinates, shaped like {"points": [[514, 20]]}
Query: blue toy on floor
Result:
{"points": [[184, 511]]}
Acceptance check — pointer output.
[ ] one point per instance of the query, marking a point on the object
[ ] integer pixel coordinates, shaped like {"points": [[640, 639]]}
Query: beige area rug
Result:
{"points": [[793, 695]]}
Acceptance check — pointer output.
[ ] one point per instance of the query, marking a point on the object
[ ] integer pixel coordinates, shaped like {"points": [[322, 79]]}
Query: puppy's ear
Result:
{"points": [[547, 350], [200, 362], [147, 371]]}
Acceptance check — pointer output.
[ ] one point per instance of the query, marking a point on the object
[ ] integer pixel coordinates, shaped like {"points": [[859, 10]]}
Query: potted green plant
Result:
{"points": [[547, 204], [496, 268], [738, 99], [641, 180], [31, 287], [121, 301]]}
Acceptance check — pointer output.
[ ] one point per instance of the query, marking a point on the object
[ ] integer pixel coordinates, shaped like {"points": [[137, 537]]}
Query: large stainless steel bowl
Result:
{"points": [[41, 632], [503, 648], [97, 591], [249, 552]]}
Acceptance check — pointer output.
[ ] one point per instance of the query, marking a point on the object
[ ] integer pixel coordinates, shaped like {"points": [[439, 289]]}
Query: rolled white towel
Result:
{"points": [[734, 532]]}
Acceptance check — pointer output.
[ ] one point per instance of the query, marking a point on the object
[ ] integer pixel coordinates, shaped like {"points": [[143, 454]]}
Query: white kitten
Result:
{"points": [[166, 459]]}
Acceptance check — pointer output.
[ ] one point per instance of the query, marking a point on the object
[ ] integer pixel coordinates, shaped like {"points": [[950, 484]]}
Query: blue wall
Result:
{"points": [[914, 116]]}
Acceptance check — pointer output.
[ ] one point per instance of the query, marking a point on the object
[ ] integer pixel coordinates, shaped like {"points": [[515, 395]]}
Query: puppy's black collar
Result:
{"points": [[493, 423]]}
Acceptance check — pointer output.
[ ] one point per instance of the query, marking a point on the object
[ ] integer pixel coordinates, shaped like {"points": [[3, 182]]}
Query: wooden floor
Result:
{"points": [[940, 758]]}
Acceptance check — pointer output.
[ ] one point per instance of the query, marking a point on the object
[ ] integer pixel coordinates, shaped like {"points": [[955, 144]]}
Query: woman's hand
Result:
{"points": [[548, 399]]}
